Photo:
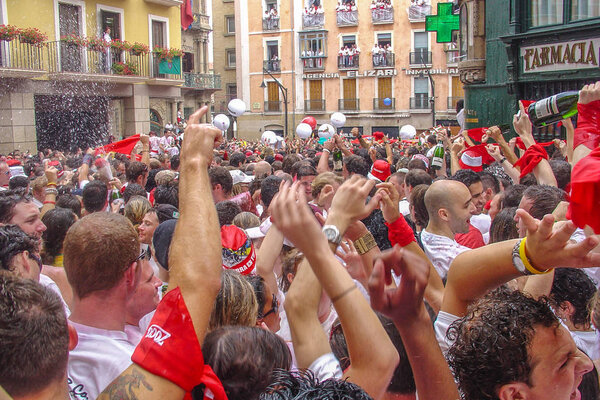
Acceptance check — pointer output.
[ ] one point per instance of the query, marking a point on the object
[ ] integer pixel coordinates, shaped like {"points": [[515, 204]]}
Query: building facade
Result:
{"points": [[516, 50], [224, 25], [67, 92], [376, 65]]}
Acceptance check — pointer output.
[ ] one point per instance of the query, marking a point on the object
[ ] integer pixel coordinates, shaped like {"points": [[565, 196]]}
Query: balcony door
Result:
{"points": [[421, 48], [273, 97], [350, 101], [384, 90], [158, 39], [69, 17], [316, 95]]}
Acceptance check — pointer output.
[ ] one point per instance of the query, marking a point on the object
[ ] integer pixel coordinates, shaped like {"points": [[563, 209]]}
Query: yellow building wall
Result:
{"points": [[135, 18]]}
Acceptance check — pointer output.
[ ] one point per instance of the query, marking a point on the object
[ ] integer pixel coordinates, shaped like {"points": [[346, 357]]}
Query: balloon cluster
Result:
{"points": [[325, 131]]}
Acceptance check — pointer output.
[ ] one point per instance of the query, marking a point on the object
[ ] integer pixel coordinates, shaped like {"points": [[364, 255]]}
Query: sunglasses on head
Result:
{"points": [[146, 254], [274, 307]]}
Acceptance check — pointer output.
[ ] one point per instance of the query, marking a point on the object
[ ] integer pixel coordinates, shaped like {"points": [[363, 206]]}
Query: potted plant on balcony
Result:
{"points": [[120, 45], [8, 32], [32, 36], [138, 49], [127, 68], [166, 54], [96, 44], [73, 40]]}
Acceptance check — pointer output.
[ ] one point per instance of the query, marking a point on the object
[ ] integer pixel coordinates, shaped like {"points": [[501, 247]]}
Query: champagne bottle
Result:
{"points": [[114, 194], [438, 156], [337, 160], [553, 108]]}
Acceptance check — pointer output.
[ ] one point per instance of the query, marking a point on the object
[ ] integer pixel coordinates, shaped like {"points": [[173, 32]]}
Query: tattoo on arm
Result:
{"points": [[126, 386]]}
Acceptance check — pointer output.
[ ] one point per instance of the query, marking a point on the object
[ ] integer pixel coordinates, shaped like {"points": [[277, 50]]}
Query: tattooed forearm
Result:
{"points": [[127, 386]]}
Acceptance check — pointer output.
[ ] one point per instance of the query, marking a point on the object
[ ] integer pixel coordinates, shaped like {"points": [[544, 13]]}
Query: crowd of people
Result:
{"points": [[271, 19], [232, 270], [314, 15], [348, 56]]}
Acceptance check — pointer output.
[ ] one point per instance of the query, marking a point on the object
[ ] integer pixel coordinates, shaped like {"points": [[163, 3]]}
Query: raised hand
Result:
{"points": [[200, 139], [348, 203], [589, 93], [405, 302], [547, 247], [494, 152], [522, 125]]}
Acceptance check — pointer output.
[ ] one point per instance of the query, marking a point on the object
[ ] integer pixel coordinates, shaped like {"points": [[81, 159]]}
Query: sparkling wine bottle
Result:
{"points": [[553, 108]]}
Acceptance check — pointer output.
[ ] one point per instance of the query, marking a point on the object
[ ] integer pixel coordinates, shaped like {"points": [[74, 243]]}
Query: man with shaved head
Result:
{"points": [[449, 205], [262, 169]]}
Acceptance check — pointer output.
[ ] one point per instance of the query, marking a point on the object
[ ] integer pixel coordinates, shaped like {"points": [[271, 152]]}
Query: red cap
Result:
{"points": [[278, 157], [237, 250], [378, 135], [248, 153], [380, 170], [12, 162], [475, 157]]}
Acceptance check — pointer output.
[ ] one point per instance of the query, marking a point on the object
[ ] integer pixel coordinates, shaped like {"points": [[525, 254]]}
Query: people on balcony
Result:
{"points": [[313, 59], [419, 9], [383, 55], [314, 15], [382, 10], [346, 11], [107, 64], [271, 19], [274, 63], [348, 56]]}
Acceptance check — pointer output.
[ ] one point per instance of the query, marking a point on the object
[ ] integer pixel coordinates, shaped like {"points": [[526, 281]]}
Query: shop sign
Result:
{"points": [[353, 74], [575, 54], [431, 71]]}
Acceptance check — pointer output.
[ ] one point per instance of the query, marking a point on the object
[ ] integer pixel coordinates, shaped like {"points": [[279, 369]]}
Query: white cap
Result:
{"points": [[240, 177]]}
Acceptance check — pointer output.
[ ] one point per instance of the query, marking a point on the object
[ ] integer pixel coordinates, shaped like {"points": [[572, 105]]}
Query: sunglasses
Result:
{"points": [[37, 259], [274, 307], [146, 254]]}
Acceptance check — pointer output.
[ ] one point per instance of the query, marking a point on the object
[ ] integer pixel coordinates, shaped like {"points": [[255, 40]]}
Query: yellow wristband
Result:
{"points": [[526, 261]]}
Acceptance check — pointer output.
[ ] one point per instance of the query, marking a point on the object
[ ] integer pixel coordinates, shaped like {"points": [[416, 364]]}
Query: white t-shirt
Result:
{"points": [[404, 207], [326, 367], [50, 284], [136, 332], [441, 251], [99, 357], [482, 222], [441, 325], [588, 342]]}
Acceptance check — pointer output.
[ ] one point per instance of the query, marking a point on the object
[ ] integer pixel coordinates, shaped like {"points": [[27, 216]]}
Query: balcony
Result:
{"points": [[384, 60], [382, 16], [272, 65], [420, 58], [348, 62], [201, 22], [417, 13], [313, 20], [349, 105], [379, 104], [270, 23], [20, 60], [314, 105], [166, 3], [313, 63], [202, 81], [273, 106], [420, 103], [76, 63], [347, 18], [452, 102]]}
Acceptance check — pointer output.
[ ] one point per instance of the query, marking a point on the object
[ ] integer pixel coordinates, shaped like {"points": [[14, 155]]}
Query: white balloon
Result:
{"points": [[221, 121], [303, 130], [326, 131], [236, 107], [338, 119], [408, 132], [269, 137]]}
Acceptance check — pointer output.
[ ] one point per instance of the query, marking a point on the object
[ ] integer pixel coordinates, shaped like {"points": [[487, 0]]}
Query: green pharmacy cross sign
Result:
{"points": [[443, 23]]}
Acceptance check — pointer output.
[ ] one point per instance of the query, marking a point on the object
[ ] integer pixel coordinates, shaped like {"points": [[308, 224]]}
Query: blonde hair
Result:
{"points": [[164, 177], [236, 302], [324, 178], [246, 220], [135, 210]]}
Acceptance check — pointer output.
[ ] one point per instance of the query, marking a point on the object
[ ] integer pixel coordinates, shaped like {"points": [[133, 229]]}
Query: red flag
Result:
{"points": [[187, 16], [585, 189], [122, 146], [476, 133]]}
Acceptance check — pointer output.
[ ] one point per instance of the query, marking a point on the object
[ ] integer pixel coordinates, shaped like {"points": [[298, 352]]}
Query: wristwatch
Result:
{"points": [[517, 262], [332, 233]]}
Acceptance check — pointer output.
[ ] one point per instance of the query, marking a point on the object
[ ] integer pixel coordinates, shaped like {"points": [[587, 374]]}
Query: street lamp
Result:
{"points": [[283, 92]]}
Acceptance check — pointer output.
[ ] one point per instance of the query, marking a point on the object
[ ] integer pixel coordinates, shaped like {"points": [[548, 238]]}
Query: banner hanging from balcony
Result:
{"points": [[443, 23], [187, 16], [172, 66]]}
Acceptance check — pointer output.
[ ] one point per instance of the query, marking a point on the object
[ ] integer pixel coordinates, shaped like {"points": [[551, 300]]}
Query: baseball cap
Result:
{"points": [[237, 250], [380, 170], [240, 177]]}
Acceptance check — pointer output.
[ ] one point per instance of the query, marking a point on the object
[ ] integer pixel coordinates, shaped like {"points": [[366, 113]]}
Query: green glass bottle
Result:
{"points": [[438, 156], [338, 160], [553, 108]]}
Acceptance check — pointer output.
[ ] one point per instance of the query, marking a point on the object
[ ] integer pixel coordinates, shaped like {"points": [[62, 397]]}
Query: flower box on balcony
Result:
{"points": [[8, 32], [32, 36]]}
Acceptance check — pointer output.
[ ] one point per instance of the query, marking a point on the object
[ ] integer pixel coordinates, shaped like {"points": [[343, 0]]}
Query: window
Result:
{"points": [[546, 12], [229, 25], [384, 39], [231, 91], [272, 50], [272, 103], [230, 54], [187, 62], [421, 54], [313, 42], [111, 20], [270, 4], [584, 9], [421, 86]]}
